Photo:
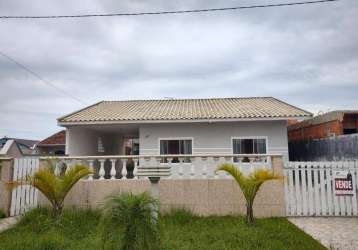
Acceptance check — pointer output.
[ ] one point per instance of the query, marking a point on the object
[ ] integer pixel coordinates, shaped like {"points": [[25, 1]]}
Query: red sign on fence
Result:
{"points": [[343, 183]]}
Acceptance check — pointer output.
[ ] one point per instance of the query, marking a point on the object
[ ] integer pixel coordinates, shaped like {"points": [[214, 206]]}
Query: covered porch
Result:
{"points": [[116, 139], [113, 151]]}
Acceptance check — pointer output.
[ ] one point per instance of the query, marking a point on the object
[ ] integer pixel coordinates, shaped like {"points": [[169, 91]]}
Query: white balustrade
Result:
{"points": [[124, 169], [113, 169], [170, 159], [204, 167], [181, 166], [101, 169], [192, 167], [135, 170], [91, 168]]}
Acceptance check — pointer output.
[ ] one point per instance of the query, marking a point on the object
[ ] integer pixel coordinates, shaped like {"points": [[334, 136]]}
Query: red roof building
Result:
{"points": [[53, 145], [334, 123]]}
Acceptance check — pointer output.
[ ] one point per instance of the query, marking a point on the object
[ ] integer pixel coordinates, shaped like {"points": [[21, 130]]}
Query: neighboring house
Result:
{"points": [[327, 137], [53, 145], [255, 125], [14, 147], [334, 123]]}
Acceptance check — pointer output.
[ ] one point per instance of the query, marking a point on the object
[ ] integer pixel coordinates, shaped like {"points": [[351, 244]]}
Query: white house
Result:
{"points": [[218, 126]]}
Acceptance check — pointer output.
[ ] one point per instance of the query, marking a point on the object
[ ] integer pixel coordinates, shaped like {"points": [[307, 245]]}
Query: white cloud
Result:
{"points": [[306, 55]]}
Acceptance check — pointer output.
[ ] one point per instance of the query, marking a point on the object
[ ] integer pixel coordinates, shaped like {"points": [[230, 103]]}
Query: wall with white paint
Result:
{"points": [[207, 137], [215, 137], [81, 141]]}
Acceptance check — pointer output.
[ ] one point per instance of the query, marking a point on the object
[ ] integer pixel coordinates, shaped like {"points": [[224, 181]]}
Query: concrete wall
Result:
{"points": [[215, 137], [81, 141], [6, 172], [203, 197]]}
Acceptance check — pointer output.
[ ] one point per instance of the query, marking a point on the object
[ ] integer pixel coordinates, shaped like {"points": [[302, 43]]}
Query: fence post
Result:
{"points": [[278, 169], [6, 172], [277, 164]]}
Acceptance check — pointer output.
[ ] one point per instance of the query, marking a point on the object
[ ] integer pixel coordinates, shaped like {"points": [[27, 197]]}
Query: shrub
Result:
{"points": [[54, 187], [130, 222], [249, 185]]}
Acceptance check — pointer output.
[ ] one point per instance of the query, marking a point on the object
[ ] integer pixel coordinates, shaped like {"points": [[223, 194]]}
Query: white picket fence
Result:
{"points": [[309, 189], [23, 197]]}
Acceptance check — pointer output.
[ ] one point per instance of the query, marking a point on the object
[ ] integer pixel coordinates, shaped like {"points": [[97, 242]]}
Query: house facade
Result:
{"points": [[220, 126], [52, 145], [15, 147]]}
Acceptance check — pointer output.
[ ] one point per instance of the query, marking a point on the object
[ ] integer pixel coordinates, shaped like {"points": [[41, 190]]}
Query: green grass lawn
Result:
{"points": [[77, 229]]}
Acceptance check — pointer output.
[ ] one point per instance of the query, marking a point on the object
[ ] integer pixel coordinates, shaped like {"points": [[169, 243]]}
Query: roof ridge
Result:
{"points": [[190, 99]]}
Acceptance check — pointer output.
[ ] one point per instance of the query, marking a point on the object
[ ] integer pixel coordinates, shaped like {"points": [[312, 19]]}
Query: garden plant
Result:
{"points": [[249, 185], [129, 222], [54, 186]]}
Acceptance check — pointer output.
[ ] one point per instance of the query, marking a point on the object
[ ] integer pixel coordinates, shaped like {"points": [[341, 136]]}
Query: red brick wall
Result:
{"points": [[316, 131]]}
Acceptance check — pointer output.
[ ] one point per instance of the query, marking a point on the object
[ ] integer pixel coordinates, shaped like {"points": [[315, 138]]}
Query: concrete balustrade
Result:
{"points": [[181, 166]]}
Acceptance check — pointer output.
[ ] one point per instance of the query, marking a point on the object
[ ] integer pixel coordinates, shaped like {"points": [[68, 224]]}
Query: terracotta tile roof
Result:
{"points": [[56, 139], [185, 109]]}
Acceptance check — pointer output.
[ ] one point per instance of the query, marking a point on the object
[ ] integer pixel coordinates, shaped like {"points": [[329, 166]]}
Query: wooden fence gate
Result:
{"points": [[309, 189], [23, 197]]}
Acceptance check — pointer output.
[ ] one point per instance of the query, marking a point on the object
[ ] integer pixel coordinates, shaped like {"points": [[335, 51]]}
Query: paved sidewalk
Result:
{"points": [[8, 222], [339, 233]]}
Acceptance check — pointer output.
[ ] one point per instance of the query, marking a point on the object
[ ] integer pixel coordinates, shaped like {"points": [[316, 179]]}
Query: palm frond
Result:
{"points": [[249, 184], [54, 187], [132, 216]]}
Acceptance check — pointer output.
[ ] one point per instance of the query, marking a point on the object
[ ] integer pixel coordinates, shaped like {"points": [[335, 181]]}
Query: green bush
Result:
{"points": [[130, 223]]}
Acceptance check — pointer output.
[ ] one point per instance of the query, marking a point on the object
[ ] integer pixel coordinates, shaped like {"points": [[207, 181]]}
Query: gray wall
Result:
{"points": [[215, 137], [339, 148]]}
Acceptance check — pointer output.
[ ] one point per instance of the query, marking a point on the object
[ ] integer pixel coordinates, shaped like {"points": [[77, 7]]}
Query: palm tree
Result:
{"points": [[133, 217], [54, 187], [249, 184]]}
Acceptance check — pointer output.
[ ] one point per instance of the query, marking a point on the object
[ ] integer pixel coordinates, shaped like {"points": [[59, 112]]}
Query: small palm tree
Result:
{"points": [[54, 187], [135, 218], [249, 185]]}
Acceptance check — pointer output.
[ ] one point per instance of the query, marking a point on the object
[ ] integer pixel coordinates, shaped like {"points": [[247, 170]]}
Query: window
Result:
{"points": [[248, 146], [176, 147], [131, 146]]}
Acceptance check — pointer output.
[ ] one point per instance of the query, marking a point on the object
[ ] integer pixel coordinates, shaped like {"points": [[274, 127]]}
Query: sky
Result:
{"points": [[304, 55]]}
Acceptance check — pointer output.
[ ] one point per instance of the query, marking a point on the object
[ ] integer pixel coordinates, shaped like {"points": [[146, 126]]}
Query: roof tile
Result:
{"points": [[185, 109]]}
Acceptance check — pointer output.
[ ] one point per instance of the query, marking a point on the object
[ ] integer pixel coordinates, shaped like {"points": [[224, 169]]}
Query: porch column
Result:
{"points": [[6, 173]]}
